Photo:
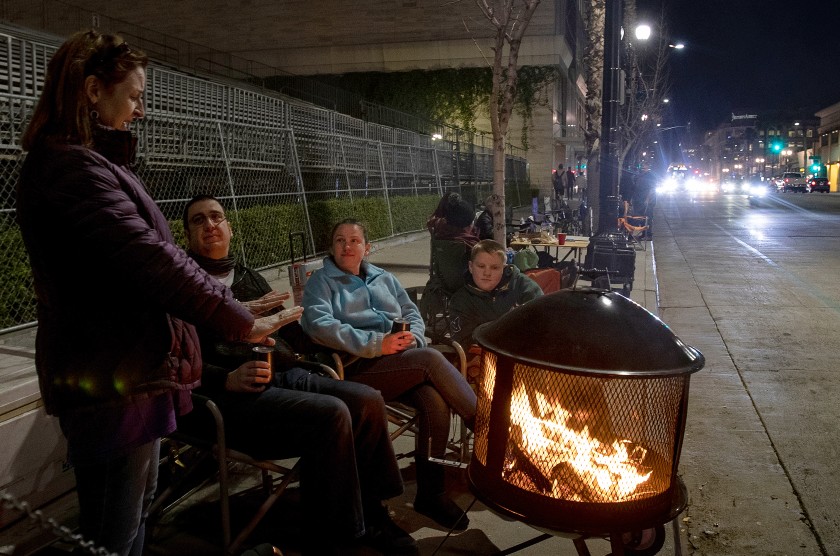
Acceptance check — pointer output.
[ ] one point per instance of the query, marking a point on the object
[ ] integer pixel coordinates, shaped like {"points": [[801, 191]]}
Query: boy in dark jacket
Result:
{"points": [[493, 288]]}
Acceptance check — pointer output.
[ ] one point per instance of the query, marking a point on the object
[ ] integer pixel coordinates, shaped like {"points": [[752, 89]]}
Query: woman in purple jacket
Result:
{"points": [[115, 354]]}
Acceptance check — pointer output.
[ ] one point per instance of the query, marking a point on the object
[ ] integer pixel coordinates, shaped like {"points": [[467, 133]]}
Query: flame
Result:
{"points": [[548, 439]]}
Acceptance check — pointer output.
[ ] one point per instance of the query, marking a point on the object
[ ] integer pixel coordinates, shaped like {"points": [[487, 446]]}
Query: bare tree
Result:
{"points": [[593, 62], [647, 86], [510, 19]]}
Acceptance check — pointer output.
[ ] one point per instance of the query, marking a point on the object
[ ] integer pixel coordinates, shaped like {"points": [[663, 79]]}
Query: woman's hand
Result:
{"points": [[397, 342], [267, 302], [251, 376], [266, 325]]}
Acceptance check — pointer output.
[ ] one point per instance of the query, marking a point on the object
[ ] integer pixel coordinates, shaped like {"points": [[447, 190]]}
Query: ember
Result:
{"points": [[576, 465]]}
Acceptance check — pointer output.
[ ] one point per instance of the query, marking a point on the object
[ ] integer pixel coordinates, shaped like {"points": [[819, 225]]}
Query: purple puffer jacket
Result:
{"points": [[114, 292]]}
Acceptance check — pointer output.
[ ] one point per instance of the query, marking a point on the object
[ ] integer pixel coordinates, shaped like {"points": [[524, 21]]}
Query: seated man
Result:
{"points": [[493, 288], [339, 428]]}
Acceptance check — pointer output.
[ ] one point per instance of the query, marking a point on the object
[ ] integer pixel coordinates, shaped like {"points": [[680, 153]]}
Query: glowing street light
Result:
{"points": [[643, 32]]}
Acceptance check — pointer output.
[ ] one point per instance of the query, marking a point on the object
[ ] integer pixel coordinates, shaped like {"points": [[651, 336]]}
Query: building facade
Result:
{"points": [[334, 37], [828, 143], [759, 146]]}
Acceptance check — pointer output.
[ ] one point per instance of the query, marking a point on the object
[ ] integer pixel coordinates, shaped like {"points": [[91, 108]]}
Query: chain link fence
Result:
{"points": [[279, 165]]}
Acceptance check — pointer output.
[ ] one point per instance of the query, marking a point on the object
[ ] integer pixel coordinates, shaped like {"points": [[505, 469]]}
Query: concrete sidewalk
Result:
{"points": [[407, 257]]}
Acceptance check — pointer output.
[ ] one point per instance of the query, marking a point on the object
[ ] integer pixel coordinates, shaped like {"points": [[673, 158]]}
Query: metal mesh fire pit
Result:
{"points": [[581, 412]]}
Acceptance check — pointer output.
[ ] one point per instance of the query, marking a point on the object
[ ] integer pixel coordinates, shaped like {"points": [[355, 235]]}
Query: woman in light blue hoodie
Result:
{"points": [[350, 305]]}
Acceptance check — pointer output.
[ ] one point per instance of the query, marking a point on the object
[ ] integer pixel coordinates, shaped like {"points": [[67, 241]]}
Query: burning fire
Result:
{"points": [[559, 455]]}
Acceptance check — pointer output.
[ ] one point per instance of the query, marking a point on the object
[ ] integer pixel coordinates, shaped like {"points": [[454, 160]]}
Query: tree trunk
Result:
{"points": [[510, 22]]}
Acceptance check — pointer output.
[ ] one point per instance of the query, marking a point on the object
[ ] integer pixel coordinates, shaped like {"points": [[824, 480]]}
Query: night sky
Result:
{"points": [[747, 56]]}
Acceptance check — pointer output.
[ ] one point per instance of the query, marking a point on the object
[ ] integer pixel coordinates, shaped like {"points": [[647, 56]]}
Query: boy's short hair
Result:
{"points": [[488, 246]]}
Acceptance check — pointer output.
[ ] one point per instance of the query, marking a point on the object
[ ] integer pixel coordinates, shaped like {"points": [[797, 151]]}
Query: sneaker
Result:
{"points": [[387, 537], [444, 511]]}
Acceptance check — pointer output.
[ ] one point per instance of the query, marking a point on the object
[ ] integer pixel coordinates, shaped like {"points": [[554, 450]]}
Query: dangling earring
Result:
{"points": [[94, 115]]}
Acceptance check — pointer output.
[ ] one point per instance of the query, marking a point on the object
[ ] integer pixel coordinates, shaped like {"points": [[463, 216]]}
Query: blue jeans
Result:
{"points": [[425, 380], [114, 499]]}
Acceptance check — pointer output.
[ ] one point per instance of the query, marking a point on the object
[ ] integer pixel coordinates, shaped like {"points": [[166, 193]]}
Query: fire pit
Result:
{"points": [[581, 412]]}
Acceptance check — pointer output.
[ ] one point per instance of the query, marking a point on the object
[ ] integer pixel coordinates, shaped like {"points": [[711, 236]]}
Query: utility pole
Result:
{"points": [[608, 186]]}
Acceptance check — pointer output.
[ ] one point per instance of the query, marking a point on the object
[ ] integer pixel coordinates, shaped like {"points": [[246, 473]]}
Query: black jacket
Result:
{"points": [[222, 356]]}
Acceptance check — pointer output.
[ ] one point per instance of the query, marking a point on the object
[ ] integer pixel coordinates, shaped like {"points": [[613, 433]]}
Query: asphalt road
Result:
{"points": [[755, 289]]}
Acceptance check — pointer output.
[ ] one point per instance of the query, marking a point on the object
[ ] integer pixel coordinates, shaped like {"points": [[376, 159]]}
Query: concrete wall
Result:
{"points": [[336, 36], [301, 36]]}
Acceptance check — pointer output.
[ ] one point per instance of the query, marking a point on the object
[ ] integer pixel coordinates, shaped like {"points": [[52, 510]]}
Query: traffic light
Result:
{"points": [[776, 146], [816, 164]]}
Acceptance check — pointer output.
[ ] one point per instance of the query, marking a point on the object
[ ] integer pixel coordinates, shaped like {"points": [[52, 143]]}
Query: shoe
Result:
{"points": [[443, 511], [469, 422], [387, 537]]}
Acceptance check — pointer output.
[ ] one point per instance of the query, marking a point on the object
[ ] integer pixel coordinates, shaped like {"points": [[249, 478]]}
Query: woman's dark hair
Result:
{"points": [[459, 213], [440, 210], [63, 112], [352, 222]]}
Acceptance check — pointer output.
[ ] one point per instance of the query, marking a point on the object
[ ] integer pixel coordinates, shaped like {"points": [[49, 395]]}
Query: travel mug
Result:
{"points": [[400, 325], [263, 353]]}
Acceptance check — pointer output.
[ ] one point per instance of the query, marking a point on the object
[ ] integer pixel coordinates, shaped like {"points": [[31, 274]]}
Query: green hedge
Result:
{"points": [[17, 297], [263, 231]]}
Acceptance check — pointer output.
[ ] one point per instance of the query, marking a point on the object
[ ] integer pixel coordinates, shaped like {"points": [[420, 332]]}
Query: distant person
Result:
{"points": [[440, 210], [338, 427], [644, 198], [570, 184], [455, 223], [558, 182], [486, 222], [116, 351], [626, 187], [493, 288]]}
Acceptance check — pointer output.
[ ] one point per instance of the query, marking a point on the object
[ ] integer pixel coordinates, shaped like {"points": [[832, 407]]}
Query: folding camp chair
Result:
{"points": [[202, 437], [448, 263], [402, 416], [634, 228]]}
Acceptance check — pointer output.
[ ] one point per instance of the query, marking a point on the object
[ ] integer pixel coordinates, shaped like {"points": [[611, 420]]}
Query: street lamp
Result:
{"points": [[643, 32], [608, 184]]}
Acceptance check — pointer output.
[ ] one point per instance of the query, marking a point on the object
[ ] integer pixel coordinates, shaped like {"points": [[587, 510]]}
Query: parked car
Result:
{"points": [[818, 184], [794, 181]]}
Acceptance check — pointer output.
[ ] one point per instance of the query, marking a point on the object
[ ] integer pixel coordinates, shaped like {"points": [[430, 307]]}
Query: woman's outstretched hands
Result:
{"points": [[267, 302], [264, 326], [397, 342]]}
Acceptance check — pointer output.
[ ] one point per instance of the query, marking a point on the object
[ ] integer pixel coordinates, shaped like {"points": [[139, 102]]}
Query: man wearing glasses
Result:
{"points": [[339, 428]]}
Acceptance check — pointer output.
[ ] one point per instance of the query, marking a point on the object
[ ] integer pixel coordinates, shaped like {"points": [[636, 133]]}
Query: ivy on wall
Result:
{"points": [[451, 96]]}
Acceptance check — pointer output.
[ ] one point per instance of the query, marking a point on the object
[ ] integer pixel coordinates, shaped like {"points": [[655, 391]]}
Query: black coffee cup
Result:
{"points": [[263, 353], [400, 325]]}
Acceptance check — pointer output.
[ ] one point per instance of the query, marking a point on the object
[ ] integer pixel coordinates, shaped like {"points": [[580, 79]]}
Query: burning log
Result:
{"points": [[555, 450]]}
